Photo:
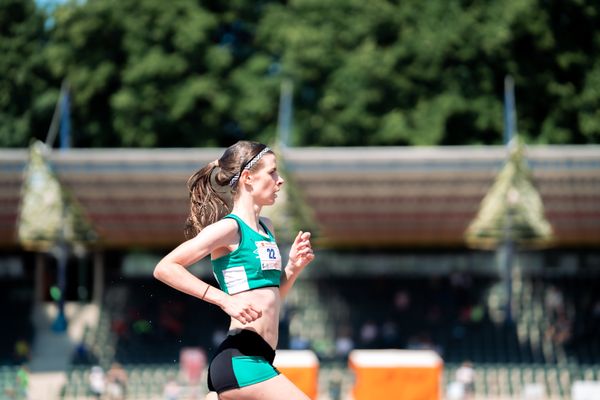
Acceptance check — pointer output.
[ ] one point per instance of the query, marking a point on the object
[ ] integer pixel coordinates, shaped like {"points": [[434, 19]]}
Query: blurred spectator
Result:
{"points": [[116, 382], [22, 382], [455, 391], [322, 347], [464, 314], [171, 390], [389, 334], [477, 313], [422, 341], [563, 329], [119, 327], [465, 376], [559, 330], [460, 280], [192, 362], [553, 301], [82, 354], [21, 351], [344, 343], [299, 343], [402, 300], [368, 334], [97, 381]]}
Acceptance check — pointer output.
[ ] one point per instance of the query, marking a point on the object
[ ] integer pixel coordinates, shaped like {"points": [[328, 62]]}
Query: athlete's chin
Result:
{"points": [[268, 202]]}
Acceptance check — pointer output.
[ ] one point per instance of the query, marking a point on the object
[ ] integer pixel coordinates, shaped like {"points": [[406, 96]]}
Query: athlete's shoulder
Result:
{"points": [[226, 225], [218, 234], [222, 228]]}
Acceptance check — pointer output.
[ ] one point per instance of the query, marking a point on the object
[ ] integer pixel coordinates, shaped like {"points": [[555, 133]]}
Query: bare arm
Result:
{"points": [[173, 270]]}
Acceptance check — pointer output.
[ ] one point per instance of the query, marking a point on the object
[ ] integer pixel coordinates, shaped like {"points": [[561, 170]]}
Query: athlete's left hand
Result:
{"points": [[301, 252]]}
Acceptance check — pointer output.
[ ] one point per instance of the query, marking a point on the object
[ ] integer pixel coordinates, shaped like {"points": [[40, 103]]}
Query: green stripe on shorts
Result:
{"points": [[249, 370]]}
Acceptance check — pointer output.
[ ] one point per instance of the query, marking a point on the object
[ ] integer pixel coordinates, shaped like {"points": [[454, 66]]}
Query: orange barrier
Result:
{"points": [[396, 374], [301, 367]]}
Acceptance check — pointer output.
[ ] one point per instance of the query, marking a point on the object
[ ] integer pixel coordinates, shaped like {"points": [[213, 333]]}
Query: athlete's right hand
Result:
{"points": [[242, 310]]}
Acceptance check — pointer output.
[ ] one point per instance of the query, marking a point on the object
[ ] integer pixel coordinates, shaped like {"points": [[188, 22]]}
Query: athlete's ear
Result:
{"points": [[246, 177]]}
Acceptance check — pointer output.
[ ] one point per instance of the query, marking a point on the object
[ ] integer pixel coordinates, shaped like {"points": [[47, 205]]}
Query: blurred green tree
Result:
{"points": [[25, 99], [144, 73], [429, 73], [382, 72]]}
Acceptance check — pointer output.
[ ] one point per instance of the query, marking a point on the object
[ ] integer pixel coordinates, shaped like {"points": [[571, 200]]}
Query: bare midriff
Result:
{"points": [[268, 301]]}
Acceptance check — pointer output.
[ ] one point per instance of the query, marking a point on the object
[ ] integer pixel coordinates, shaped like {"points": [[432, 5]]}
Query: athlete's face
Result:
{"points": [[266, 181]]}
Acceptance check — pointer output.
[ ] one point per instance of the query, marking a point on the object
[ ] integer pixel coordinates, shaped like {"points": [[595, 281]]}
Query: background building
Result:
{"points": [[392, 267]]}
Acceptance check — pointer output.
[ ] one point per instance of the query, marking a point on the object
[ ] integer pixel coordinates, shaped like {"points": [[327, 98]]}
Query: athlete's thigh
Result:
{"points": [[271, 389]]}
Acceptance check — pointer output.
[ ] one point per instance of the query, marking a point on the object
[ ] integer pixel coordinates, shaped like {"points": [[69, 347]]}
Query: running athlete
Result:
{"points": [[226, 198]]}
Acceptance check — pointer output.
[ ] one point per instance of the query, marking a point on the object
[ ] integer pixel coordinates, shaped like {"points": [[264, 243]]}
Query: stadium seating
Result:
{"points": [[145, 381], [507, 355], [460, 316]]}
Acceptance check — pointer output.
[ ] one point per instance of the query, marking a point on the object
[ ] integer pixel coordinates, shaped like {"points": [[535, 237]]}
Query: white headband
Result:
{"points": [[249, 165]]}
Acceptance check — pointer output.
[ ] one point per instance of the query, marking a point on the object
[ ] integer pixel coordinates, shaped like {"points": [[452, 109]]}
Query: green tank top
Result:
{"points": [[256, 263]]}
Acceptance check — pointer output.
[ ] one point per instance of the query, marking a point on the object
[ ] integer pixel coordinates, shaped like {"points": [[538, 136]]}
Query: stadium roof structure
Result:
{"points": [[512, 210], [364, 197], [48, 215]]}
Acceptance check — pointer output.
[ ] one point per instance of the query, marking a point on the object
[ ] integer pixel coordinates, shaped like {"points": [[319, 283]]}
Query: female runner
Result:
{"points": [[227, 197]]}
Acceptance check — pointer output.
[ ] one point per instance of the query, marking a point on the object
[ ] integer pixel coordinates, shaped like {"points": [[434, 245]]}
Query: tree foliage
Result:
{"points": [[25, 96], [381, 72], [422, 73], [144, 73]]}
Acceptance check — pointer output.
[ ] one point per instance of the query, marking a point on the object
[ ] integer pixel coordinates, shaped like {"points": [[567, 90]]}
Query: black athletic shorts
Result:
{"points": [[241, 360]]}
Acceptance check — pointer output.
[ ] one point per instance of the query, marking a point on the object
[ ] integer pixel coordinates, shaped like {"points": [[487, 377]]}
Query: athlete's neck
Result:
{"points": [[249, 214]]}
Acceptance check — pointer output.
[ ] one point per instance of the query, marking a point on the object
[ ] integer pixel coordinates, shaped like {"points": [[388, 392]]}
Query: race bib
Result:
{"points": [[268, 252]]}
